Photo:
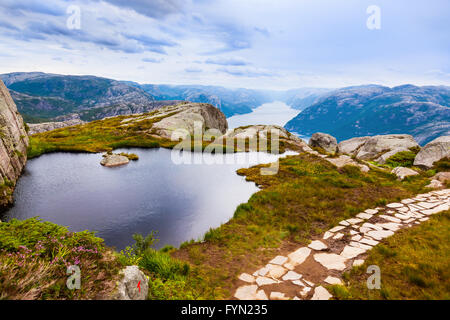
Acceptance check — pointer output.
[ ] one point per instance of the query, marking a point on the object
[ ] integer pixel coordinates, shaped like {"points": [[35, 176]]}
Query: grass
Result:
{"points": [[414, 263], [34, 256], [307, 196], [402, 159]]}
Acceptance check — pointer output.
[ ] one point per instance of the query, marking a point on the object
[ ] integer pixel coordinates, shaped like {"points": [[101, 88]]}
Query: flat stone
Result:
{"points": [[389, 218], [407, 201], [394, 205], [424, 219], [364, 216], [246, 292], [299, 256], [380, 234], [247, 278], [336, 229], [305, 291], [289, 266], [426, 205], [353, 232], [403, 209], [309, 283], [333, 280], [278, 296], [338, 236], [320, 293], [264, 281], [360, 245], [371, 211], [443, 207], [390, 226], [331, 261], [371, 226], [402, 216], [344, 223], [291, 275], [356, 237], [327, 235], [263, 271], [317, 245], [350, 252], [370, 242], [261, 295], [365, 230], [358, 263], [408, 221], [279, 260], [354, 221], [276, 271]]}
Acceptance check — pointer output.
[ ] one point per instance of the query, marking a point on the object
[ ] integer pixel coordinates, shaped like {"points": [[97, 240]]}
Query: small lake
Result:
{"points": [[276, 113], [181, 202]]}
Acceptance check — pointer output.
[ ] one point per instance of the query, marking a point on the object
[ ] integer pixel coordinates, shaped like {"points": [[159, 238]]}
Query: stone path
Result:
{"points": [[303, 273]]}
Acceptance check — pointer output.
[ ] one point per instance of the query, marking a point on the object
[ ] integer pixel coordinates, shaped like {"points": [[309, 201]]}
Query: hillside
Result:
{"points": [[423, 112]]}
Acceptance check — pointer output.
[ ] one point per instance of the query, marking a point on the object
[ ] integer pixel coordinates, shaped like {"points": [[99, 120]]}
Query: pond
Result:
{"points": [[179, 201]]}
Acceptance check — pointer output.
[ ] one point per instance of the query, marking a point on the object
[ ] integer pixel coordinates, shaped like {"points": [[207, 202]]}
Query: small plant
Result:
{"points": [[401, 159], [130, 156]]}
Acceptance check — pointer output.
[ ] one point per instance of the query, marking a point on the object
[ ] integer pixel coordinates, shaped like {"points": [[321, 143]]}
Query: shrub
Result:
{"points": [[163, 265], [401, 159]]}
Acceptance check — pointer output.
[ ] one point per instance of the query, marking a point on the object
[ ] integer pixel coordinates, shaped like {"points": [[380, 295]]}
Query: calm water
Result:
{"points": [[181, 202], [277, 113]]}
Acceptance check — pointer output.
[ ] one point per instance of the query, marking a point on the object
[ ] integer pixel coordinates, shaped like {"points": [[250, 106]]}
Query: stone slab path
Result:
{"points": [[303, 273]]}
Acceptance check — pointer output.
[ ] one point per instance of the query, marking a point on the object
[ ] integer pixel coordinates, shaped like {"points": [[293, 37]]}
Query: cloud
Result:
{"points": [[153, 8], [151, 60], [150, 43], [7, 25], [227, 62], [193, 70], [245, 72], [19, 7]]}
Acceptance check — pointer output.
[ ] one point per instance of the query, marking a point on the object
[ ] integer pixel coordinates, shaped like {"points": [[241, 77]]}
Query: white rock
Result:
{"points": [[128, 289], [356, 237], [390, 226], [370, 242], [278, 296], [364, 215], [264, 281], [317, 245], [333, 280], [426, 205], [371, 226], [246, 292], [389, 218], [320, 293], [394, 205], [371, 211], [305, 291], [380, 234], [336, 229], [327, 235], [289, 266], [298, 283], [338, 236], [263, 271], [331, 261], [354, 221], [276, 271], [402, 216], [350, 252], [247, 278], [344, 223], [279, 260], [358, 263], [299, 256], [291, 275], [407, 201], [261, 295], [309, 283]]}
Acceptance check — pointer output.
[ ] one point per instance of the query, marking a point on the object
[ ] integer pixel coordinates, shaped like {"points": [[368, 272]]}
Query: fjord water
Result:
{"points": [[181, 202], [277, 113]]}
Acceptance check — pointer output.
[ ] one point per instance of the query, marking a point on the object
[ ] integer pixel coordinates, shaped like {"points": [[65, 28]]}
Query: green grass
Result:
{"points": [[34, 256], [402, 159], [414, 263]]}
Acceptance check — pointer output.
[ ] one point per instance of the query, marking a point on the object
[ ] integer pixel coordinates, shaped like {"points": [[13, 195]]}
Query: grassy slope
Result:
{"points": [[414, 263]]}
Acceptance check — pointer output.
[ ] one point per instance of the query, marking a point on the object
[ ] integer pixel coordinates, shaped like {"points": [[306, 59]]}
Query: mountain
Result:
{"points": [[229, 101], [423, 112], [301, 99], [40, 97]]}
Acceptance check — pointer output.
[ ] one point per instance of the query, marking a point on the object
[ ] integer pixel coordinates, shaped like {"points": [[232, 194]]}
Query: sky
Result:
{"points": [[259, 44]]}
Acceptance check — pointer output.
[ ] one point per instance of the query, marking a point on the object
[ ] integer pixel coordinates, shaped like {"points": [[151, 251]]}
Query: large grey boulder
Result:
{"points": [[434, 151], [324, 141], [402, 172], [133, 285], [380, 148], [114, 160], [352, 146], [49, 126]]}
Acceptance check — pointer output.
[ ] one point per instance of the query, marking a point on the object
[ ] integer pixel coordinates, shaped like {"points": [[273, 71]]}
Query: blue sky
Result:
{"points": [[278, 44]]}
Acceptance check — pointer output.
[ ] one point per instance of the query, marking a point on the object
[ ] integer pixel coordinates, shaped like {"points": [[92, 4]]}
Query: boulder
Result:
{"points": [[380, 148], [344, 160], [402, 172], [324, 141], [114, 160], [352, 146], [442, 176], [133, 285], [435, 184], [434, 151]]}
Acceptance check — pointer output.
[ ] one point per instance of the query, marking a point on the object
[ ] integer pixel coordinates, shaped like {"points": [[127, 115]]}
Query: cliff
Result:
{"points": [[13, 146]]}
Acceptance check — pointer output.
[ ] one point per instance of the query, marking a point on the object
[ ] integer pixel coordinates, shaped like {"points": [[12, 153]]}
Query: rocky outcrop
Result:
{"points": [[345, 160], [133, 285], [378, 148], [253, 133], [402, 172], [434, 151], [442, 176], [48, 126], [324, 141], [114, 160], [13, 146]]}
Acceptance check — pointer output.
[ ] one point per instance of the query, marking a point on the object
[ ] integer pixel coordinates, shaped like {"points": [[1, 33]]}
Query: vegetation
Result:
{"points": [[414, 263], [130, 156], [402, 159], [34, 257]]}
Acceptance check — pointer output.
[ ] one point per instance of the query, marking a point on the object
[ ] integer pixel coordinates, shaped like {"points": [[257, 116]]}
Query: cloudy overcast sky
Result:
{"points": [[278, 44]]}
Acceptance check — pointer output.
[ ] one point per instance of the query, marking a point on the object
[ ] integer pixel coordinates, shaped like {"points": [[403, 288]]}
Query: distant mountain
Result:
{"points": [[41, 97], [423, 112], [301, 99]]}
